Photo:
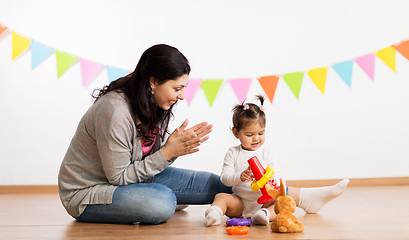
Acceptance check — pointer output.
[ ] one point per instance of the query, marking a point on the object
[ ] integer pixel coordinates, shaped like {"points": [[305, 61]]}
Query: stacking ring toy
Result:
{"points": [[237, 230], [238, 222]]}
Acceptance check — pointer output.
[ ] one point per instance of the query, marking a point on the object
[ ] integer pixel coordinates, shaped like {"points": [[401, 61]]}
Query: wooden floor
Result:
{"points": [[360, 213]]}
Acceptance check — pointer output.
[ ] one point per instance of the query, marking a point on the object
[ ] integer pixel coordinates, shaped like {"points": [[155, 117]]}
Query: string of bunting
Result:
{"points": [[211, 87]]}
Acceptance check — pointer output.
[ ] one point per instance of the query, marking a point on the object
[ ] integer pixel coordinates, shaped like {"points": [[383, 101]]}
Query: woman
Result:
{"points": [[116, 169]]}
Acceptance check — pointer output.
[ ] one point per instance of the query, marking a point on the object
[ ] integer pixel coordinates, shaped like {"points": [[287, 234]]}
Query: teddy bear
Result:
{"points": [[284, 207]]}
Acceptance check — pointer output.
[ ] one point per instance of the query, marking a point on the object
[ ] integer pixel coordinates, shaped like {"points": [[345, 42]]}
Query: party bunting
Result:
{"points": [[319, 77], [114, 73], [39, 52], [241, 87], [403, 48], [344, 70], [367, 63], [211, 87], [20, 44], [269, 85], [387, 55], [64, 61], [294, 81], [89, 70], [191, 88]]}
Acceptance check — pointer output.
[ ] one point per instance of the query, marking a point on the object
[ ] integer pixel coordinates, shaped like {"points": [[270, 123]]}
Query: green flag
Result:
{"points": [[294, 81], [211, 87], [64, 61]]}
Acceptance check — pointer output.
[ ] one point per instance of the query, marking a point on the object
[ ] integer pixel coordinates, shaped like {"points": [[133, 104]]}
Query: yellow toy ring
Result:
{"points": [[256, 185]]}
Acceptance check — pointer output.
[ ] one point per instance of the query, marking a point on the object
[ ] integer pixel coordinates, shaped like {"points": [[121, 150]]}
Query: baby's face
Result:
{"points": [[252, 137]]}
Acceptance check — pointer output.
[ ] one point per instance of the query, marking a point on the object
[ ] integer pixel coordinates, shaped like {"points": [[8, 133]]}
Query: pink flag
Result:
{"points": [[367, 63], [89, 70], [241, 87], [191, 88]]}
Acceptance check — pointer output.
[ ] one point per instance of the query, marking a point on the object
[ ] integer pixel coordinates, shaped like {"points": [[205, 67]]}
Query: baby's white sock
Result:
{"points": [[261, 217], [312, 199], [213, 216]]}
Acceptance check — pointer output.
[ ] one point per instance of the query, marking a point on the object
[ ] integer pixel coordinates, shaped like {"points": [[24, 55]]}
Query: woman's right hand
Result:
{"points": [[185, 141]]}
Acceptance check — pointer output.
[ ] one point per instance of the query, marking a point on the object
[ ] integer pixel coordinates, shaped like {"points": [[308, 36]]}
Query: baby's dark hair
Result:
{"points": [[247, 113]]}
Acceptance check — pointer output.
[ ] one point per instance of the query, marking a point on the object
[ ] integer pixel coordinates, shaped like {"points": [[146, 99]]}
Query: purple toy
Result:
{"points": [[238, 222]]}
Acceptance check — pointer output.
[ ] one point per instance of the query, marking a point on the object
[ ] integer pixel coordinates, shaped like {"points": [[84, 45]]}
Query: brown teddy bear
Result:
{"points": [[284, 207]]}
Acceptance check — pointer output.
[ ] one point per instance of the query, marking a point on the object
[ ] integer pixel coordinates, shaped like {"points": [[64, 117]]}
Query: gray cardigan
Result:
{"points": [[105, 153]]}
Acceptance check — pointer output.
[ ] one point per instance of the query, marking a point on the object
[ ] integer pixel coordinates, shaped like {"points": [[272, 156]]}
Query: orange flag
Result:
{"points": [[403, 48], [2, 28], [269, 85]]}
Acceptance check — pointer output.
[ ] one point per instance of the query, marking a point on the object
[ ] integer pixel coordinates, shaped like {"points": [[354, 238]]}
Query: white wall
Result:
{"points": [[355, 132]]}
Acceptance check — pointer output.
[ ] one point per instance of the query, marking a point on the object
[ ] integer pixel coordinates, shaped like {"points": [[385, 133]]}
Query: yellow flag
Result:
{"points": [[20, 44], [319, 77], [387, 55]]}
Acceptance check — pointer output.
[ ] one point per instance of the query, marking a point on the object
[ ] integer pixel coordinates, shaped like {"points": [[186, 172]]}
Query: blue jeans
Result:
{"points": [[154, 203]]}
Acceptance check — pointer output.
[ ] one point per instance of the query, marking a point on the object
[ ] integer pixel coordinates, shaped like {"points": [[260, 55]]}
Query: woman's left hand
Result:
{"points": [[186, 141]]}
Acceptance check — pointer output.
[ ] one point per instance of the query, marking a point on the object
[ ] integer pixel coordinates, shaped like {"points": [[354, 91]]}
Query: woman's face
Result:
{"points": [[168, 93]]}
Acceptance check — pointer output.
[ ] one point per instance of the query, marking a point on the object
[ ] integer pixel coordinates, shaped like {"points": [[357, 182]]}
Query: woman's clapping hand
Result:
{"points": [[186, 141]]}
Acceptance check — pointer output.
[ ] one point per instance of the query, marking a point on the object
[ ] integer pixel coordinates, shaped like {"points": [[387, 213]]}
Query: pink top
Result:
{"points": [[145, 148]]}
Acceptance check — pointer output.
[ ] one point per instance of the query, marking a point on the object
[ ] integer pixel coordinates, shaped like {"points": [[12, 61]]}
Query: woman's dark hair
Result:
{"points": [[246, 113], [163, 63]]}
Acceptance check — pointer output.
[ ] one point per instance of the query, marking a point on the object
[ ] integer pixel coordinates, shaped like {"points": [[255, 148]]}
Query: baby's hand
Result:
{"points": [[247, 175]]}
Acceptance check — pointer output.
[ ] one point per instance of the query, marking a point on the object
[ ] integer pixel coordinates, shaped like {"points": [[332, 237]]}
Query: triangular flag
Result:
{"points": [[403, 48], [294, 81], [269, 85], [64, 61], [387, 55], [2, 28], [367, 63], [211, 87], [191, 88], [319, 77], [241, 87], [39, 52], [89, 70], [20, 44], [344, 70], [114, 73]]}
